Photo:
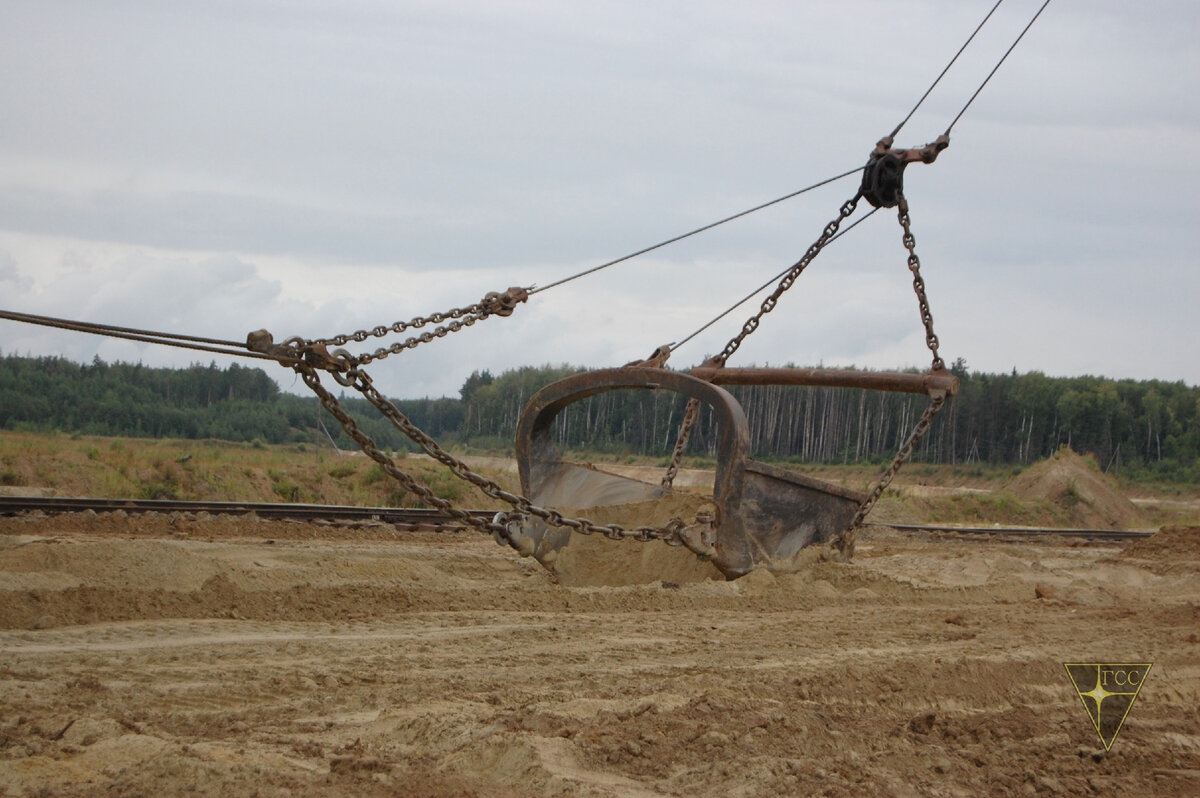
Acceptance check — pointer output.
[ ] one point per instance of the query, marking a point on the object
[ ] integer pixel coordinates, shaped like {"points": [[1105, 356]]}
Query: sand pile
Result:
{"points": [[1174, 550], [1075, 485]]}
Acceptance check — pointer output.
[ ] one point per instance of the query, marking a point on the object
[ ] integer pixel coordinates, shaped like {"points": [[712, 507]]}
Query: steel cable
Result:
{"points": [[133, 334], [765, 285], [947, 69], [710, 226], [997, 66]]}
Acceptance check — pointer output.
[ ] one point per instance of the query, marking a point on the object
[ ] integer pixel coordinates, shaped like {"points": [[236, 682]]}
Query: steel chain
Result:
{"points": [[844, 542], [414, 341], [788, 280], [497, 304], [494, 304], [681, 441], [411, 484], [670, 533], [397, 327], [751, 324], [914, 266]]}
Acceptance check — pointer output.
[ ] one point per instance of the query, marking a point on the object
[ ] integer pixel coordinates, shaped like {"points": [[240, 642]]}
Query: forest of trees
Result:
{"points": [[236, 403], [995, 418], [1129, 426]]}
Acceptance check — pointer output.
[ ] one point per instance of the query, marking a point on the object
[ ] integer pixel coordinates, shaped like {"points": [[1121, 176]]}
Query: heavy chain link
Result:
{"points": [[494, 304], [307, 356], [914, 266], [843, 543], [416, 340], [670, 533], [751, 324], [410, 483], [681, 441], [785, 283]]}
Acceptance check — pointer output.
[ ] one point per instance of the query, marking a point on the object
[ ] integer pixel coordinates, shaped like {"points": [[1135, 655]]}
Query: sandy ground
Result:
{"points": [[147, 656]]}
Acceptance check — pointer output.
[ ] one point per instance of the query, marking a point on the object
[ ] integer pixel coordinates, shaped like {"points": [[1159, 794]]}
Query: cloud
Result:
{"points": [[223, 167]]}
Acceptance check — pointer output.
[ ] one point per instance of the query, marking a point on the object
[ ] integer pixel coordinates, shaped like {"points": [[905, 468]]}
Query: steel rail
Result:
{"points": [[1020, 531], [435, 519], [14, 505]]}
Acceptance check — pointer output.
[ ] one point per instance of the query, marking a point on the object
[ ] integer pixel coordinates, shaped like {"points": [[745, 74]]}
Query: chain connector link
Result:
{"points": [[657, 360], [296, 350], [504, 304]]}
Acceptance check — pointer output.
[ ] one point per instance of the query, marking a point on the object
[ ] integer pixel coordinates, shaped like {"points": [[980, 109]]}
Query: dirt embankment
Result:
{"points": [[1075, 484], [233, 657]]}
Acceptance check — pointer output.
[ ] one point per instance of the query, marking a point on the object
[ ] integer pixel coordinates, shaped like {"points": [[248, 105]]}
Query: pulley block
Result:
{"points": [[883, 176]]}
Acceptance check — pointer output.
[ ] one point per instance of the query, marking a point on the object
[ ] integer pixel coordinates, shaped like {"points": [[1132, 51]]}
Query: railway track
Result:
{"points": [[433, 520], [1020, 531], [419, 519]]}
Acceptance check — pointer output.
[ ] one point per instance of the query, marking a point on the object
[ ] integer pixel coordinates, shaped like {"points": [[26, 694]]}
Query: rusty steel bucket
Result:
{"points": [[764, 515]]}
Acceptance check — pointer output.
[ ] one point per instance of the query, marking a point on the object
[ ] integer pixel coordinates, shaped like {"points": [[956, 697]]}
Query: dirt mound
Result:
{"points": [[1176, 546], [1075, 485]]}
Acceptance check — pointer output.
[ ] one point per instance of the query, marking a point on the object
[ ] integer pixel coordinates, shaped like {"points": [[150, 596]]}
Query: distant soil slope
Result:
{"points": [[1074, 484]]}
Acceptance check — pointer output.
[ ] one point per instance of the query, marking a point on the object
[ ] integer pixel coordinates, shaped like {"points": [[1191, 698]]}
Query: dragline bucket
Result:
{"points": [[761, 515]]}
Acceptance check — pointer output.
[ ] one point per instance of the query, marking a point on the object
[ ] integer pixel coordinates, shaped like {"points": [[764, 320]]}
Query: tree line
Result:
{"points": [[235, 403], [1132, 426]]}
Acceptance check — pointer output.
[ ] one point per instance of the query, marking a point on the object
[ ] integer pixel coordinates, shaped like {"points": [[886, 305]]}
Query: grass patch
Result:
{"points": [[342, 470]]}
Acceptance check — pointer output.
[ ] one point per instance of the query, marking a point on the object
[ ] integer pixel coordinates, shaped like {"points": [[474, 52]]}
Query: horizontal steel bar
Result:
{"points": [[834, 378]]}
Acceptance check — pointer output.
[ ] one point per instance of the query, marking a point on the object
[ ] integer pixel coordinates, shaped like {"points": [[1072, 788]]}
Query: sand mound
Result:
{"points": [[1075, 485], [1178, 546]]}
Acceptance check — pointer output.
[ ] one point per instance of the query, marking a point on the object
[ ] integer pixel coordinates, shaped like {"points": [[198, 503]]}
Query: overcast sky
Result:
{"points": [[316, 167]]}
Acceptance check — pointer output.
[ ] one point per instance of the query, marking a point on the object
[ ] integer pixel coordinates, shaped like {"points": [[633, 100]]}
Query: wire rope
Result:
{"points": [[944, 71], [765, 285], [236, 348], [710, 226], [133, 334], [997, 66]]}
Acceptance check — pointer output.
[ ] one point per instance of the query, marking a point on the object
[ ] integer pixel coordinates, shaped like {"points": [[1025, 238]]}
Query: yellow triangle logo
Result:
{"points": [[1107, 691]]}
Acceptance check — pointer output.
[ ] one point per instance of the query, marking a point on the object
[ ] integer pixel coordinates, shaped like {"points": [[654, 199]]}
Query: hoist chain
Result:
{"points": [[914, 266], [768, 304], [674, 533], [788, 280], [844, 542], [681, 441]]}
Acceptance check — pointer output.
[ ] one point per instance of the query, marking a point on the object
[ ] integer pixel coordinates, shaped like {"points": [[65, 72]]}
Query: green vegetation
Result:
{"points": [[234, 404], [1142, 430]]}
